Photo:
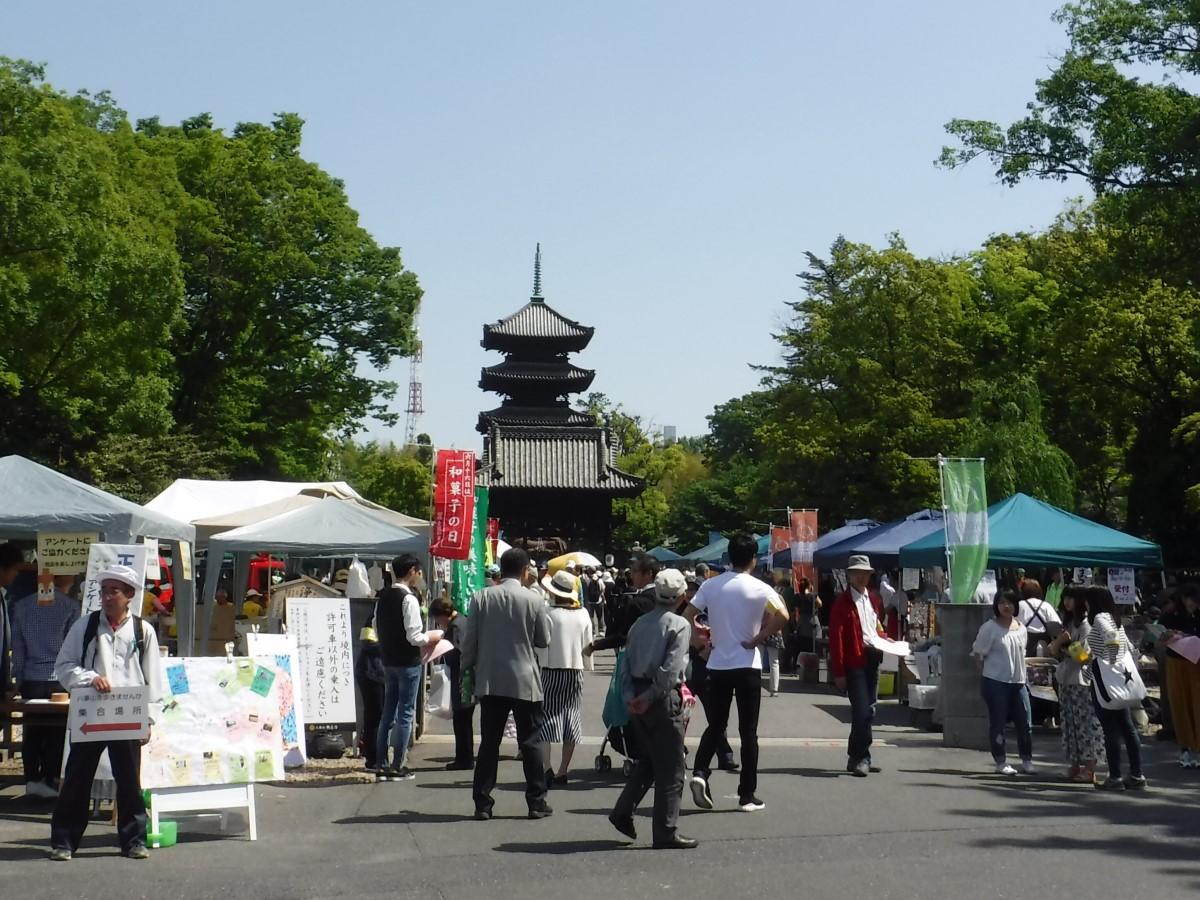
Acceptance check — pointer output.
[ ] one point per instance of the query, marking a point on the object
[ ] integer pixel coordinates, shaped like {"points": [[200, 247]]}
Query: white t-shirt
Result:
{"points": [[734, 603], [1049, 615], [1002, 650]]}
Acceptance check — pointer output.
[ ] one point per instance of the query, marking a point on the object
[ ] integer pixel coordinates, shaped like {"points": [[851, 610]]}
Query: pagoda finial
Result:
{"points": [[537, 273]]}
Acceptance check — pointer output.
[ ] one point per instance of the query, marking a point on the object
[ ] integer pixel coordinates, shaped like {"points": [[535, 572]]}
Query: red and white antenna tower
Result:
{"points": [[416, 399]]}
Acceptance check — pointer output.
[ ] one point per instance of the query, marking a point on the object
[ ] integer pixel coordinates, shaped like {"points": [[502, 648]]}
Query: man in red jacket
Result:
{"points": [[854, 623]]}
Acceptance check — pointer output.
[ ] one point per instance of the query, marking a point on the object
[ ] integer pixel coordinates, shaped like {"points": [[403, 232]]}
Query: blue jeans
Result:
{"points": [[399, 708], [862, 689], [1008, 703]]}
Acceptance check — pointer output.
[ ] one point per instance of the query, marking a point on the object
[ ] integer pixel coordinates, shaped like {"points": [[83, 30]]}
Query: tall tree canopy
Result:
{"points": [[178, 292]]}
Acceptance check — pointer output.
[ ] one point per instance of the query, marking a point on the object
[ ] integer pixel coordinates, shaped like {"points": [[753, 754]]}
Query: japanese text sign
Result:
{"points": [[64, 553], [100, 557], [1121, 586], [121, 714], [322, 628]]}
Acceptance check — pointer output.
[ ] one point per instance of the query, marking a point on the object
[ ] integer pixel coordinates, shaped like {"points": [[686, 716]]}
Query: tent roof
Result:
{"points": [[329, 527], [783, 558], [710, 553], [882, 543], [663, 554], [189, 499], [1025, 531], [39, 499]]}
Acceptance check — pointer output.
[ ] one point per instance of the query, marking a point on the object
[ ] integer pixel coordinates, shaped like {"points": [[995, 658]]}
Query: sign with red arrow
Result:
{"points": [[122, 714]]}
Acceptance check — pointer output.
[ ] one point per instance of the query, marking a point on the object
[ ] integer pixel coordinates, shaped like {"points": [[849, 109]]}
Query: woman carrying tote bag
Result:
{"points": [[1117, 688]]}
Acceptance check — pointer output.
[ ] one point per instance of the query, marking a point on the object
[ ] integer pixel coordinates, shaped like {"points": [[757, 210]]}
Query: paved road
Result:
{"points": [[935, 824]]}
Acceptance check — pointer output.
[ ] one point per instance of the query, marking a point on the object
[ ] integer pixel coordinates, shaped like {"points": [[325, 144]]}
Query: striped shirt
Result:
{"points": [[37, 634], [1104, 631]]}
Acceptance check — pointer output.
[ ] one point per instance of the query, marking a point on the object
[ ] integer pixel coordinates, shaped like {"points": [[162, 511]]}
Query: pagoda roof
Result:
{"points": [[524, 375], [509, 415], [554, 459], [537, 322]]}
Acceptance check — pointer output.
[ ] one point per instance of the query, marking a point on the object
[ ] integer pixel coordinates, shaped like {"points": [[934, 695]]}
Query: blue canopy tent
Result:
{"points": [[715, 553], [1024, 531], [852, 528], [882, 544], [662, 554]]}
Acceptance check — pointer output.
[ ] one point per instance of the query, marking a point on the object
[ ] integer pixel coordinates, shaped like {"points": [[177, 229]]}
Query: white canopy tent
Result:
{"points": [[189, 499], [329, 527], [38, 499]]}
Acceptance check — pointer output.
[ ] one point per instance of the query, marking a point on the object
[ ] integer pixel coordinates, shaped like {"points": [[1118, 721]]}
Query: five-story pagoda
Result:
{"points": [[549, 468]]}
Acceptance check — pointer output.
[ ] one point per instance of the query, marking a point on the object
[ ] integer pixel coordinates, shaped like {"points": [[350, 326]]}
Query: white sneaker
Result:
{"points": [[700, 792], [1193, 760], [1185, 759], [1005, 769], [1027, 767]]}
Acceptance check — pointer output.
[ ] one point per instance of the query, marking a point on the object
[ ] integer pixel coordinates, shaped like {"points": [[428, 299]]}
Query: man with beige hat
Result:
{"points": [[854, 631]]}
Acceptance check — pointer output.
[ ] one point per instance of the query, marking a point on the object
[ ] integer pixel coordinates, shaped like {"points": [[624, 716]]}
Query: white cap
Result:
{"points": [[123, 574]]}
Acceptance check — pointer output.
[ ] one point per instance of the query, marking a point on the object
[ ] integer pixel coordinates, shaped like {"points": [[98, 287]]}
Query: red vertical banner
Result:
{"points": [[493, 536], [803, 534], [781, 539], [453, 504]]}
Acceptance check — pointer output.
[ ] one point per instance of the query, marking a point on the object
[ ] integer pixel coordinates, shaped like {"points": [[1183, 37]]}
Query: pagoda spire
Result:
{"points": [[537, 273]]}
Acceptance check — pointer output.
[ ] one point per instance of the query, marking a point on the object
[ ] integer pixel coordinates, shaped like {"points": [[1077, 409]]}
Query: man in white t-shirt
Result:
{"points": [[742, 613]]}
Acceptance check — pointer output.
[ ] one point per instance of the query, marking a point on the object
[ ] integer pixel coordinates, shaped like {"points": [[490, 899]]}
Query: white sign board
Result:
{"points": [[1081, 576], [910, 579], [283, 648], [64, 553], [152, 567], [321, 625], [100, 557], [121, 714], [1121, 586]]}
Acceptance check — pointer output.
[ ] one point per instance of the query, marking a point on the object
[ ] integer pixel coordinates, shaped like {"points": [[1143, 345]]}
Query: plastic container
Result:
{"points": [[166, 836], [887, 684]]}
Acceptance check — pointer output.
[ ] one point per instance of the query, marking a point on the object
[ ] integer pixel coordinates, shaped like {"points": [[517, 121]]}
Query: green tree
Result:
{"points": [[1120, 112], [387, 475], [90, 285], [285, 293]]}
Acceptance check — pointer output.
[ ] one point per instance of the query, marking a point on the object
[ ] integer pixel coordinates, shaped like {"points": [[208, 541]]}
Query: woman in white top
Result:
{"points": [[563, 663], [1107, 640], [999, 652], [1082, 737]]}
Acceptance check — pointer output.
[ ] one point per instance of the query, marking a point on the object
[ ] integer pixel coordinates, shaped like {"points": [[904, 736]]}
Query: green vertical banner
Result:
{"points": [[470, 575], [964, 496]]}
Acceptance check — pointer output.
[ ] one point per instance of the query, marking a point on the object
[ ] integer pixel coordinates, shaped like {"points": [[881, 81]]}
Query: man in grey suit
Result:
{"points": [[505, 624]]}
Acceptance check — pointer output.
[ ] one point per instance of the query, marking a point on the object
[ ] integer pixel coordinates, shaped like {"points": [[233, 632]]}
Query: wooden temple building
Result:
{"points": [[549, 468]]}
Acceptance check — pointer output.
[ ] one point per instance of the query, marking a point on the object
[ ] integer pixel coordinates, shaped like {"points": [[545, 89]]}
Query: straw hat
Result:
{"points": [[562, 585]]}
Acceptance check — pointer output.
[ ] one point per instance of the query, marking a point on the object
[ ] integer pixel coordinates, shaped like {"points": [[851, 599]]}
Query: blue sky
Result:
{"points": [[675, 159]]}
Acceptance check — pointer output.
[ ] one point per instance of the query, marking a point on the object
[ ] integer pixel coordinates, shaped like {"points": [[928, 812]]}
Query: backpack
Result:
{"points": [[593, 590], [139, 640]]}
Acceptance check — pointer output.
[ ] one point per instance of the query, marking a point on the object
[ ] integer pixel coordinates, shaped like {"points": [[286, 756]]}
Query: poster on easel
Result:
{"points": [[220, 723], [284, 650]]}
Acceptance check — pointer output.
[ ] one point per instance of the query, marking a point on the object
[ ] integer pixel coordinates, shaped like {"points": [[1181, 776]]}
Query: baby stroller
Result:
{"points": [[616, 717]]}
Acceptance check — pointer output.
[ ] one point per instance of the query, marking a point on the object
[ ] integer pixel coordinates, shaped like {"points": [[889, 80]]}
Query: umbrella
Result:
{"points": [[581, 560]]}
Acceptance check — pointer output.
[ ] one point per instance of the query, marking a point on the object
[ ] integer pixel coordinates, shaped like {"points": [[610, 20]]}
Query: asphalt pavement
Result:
{"points": [[935, 823]]}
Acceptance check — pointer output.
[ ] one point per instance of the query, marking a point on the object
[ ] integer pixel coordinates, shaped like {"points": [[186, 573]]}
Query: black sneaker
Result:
{"points": [[751, 804], [404, 773], [1135, 783], [384, 773], [540, 810], [700, 792], [136, 851], [60, 854]]}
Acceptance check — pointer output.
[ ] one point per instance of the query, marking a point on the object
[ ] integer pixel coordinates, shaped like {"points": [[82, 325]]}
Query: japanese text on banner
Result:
{"points": [[453, 504]]}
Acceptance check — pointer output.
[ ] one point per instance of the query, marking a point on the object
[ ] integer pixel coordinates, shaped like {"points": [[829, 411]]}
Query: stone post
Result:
{"points": [[965, 721]]}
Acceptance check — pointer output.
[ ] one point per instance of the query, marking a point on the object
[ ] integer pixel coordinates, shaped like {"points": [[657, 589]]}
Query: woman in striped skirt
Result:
{"points": [[563, 663]]}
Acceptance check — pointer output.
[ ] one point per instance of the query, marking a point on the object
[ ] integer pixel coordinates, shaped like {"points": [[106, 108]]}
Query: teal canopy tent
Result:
{"points": [[1024, 531], [662, 554]]}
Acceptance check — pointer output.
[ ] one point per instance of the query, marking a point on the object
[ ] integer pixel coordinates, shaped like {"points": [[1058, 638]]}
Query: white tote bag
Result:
{"points": [[438, 701], [1118, 685]]}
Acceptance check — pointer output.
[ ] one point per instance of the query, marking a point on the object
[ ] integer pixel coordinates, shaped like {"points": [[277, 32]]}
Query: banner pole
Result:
{"points": [[941, 461]]}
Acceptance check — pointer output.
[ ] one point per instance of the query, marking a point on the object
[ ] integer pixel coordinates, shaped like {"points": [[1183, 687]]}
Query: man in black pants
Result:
{"points": [[108, 655], [505, 625], [742, 613]]}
